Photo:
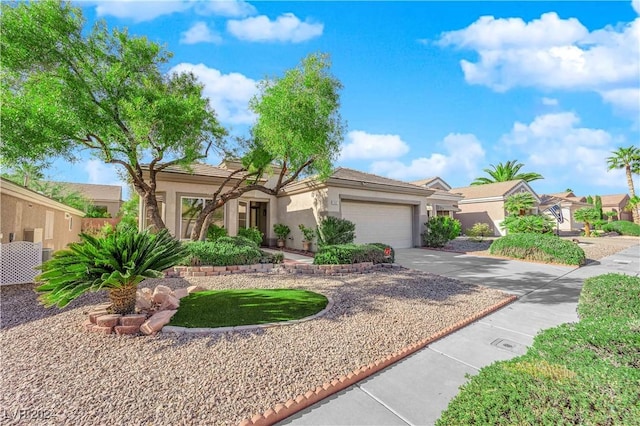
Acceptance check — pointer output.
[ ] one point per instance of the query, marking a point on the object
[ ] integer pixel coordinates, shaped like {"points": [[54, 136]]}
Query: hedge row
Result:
{"points": [[346, 254], [226, 251], [538, 247]]}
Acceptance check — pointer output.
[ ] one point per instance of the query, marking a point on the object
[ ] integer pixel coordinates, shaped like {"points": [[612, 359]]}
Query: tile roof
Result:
{"points": [[96, 192], [613, 199], [343, 173], [199, 169], [485, 191], [424, 182]]}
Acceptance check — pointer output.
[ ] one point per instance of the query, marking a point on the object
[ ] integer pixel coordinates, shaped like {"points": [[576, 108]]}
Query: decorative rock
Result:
{"points": [[195, 288], [95, 314], [170, 303], [180, 293], [157, 321], [110, 320], [103, 307], [101, 330], [133, 320], [127, 329], [87, 325], [159, 298], [161, 289]]}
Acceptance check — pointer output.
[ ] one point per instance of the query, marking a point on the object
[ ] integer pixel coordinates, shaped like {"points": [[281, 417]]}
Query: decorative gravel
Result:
{"points": [[54, 372]]}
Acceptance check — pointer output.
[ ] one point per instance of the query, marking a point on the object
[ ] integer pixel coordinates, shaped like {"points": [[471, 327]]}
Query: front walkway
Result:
{"points": [[417, 389]]}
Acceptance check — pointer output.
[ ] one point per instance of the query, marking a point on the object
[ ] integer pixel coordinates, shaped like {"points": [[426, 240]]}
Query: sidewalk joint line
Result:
{"points": [[503, 328], [455, 359], [379, 401]]}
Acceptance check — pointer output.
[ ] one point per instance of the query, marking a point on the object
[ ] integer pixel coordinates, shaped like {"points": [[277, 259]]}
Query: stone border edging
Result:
{"points": [[202, 330], [300, 402]]}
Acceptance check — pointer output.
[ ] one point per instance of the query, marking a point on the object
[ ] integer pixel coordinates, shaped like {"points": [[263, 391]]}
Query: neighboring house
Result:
{"points": [[485, 203], [616, 203], [30, 216], [568, 203], [107, 198], [442, 202], [384, 210]]}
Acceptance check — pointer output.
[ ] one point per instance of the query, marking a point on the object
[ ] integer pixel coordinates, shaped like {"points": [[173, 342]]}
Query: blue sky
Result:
{"points": [[430, 88]]}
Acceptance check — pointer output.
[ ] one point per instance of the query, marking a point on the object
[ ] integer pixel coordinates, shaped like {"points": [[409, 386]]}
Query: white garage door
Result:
{"points": [[380, 223]]}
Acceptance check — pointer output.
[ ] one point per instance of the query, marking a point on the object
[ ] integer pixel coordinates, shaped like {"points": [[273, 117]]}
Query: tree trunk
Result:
{"points": [[201, 224], [587, 229], [632, 193], [151, 207], [123, 299]]}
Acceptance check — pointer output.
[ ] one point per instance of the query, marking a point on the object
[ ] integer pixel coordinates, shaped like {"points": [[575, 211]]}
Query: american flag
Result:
{"points": [[556, 211]]}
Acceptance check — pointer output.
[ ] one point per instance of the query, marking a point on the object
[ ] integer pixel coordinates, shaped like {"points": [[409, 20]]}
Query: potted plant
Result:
{"points": [[309, 234], [281, 230]]}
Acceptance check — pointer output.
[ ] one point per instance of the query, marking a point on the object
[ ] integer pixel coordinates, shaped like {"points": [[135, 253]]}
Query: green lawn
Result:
{"points": [[226, 308]]}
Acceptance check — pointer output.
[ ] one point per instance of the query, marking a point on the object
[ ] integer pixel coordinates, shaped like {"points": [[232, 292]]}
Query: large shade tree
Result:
{"points": [[628, 159], [66, 88], [505, 172], [298, 132]]}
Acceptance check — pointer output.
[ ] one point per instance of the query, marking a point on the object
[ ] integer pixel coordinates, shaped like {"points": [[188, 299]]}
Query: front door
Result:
{"points": [[258, 217]]}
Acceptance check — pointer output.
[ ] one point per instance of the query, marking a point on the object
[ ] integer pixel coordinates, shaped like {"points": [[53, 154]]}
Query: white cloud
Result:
{"points": [[549, 53], [549, 101], [463, 154], [286, 28], [624, 100], [229, 94], [100, 173], [369, 146], [556, 147], [199, 33], [140, 11], [635, 4]]}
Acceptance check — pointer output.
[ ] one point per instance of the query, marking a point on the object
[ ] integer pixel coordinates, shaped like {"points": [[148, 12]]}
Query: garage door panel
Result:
{"points": [[378, 222]]}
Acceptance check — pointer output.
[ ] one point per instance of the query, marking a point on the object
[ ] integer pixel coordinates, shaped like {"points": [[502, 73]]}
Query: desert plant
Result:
{"points": [[479, 230], [539, 247], [520, 203], [281, 230], [118, 262], [308, 233], [439, 230], [610, 295], [610, 215], [535, 223], [252, 233], [587, 215], [333, 230], [214, 232]]}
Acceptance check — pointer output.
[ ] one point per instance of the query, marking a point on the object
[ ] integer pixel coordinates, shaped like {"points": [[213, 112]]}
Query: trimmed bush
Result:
{"points": [[610, 296], [479, 230], [343, 254], [333, 230], [389, 249], [214, 232], [530, 224], [622, 227], [440, 230], [224, 251], [252, 234], [538, 247]]}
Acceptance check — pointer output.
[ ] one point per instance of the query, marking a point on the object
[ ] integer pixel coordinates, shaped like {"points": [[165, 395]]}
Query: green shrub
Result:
{"points": [[386, 248], [478, 231], [274, 258], [622, 227], [281, 230], [333, 230], [223, 252], [440, 230], [610, 295], [253, 234], [344, 254], [214, 232], [530, 224], [538, 247], [308, 233]]}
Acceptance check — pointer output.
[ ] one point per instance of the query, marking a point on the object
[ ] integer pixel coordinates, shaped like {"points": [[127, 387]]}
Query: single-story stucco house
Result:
{"points": [[384, 210], [107, 198], [442, 202], [568, 203], [485, 203], [616, 203]]}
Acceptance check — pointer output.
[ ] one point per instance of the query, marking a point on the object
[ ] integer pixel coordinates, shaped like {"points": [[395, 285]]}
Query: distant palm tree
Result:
{"points": [[520, 203], [629, 160], [505, 172]]}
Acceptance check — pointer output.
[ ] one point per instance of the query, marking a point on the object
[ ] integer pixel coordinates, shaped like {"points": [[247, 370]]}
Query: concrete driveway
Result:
{"points": [[417, 389]]}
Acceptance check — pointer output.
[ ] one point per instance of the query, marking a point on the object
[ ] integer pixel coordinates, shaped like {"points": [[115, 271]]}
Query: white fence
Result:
{"points": [[17, 261]]}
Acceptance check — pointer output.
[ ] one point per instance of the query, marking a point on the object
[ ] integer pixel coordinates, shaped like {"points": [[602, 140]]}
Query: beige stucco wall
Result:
{"points": [[306, 208], [19, 214], [113, 207], [490, 212]]}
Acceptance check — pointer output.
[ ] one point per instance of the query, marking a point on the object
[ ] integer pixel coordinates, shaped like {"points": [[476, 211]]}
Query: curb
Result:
{"points": [[300, 402]]}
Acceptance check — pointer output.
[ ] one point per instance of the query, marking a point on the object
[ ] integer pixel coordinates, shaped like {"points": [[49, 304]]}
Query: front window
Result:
{"points": [[191, 208]]}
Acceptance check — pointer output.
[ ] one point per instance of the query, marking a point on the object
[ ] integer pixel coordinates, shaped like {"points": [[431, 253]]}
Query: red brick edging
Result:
{"points": [[292, 406]]}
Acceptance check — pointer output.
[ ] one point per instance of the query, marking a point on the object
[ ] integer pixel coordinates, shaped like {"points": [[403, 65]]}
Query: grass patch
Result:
{"points": [[580, 373], [538, 247], [227, 308]]}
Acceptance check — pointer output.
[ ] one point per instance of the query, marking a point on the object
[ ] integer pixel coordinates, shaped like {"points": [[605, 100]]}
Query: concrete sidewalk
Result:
{"points": [[417, 389]]}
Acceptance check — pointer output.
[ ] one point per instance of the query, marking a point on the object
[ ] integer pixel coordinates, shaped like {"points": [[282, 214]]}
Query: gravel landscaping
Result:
{"points": [[57, 373]]}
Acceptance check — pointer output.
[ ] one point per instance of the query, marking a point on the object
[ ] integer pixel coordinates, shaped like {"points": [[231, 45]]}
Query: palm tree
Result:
{"points": [[587, 215], [629, 160], [518, 204], [117, 262], [505, 172]]}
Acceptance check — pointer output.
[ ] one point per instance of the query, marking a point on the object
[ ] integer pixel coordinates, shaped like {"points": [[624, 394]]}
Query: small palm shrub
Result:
{"points": [[253, 234], [587, 215], [117, 262], [622, 227], [530, 224], [224, 251], [345, 254], [440, 230], [214, 232], [539, 247], [333, 230], [479, 231]]}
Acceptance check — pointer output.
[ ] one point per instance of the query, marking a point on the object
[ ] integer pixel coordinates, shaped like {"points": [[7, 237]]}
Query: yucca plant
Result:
{"points": [[117, 262]]}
